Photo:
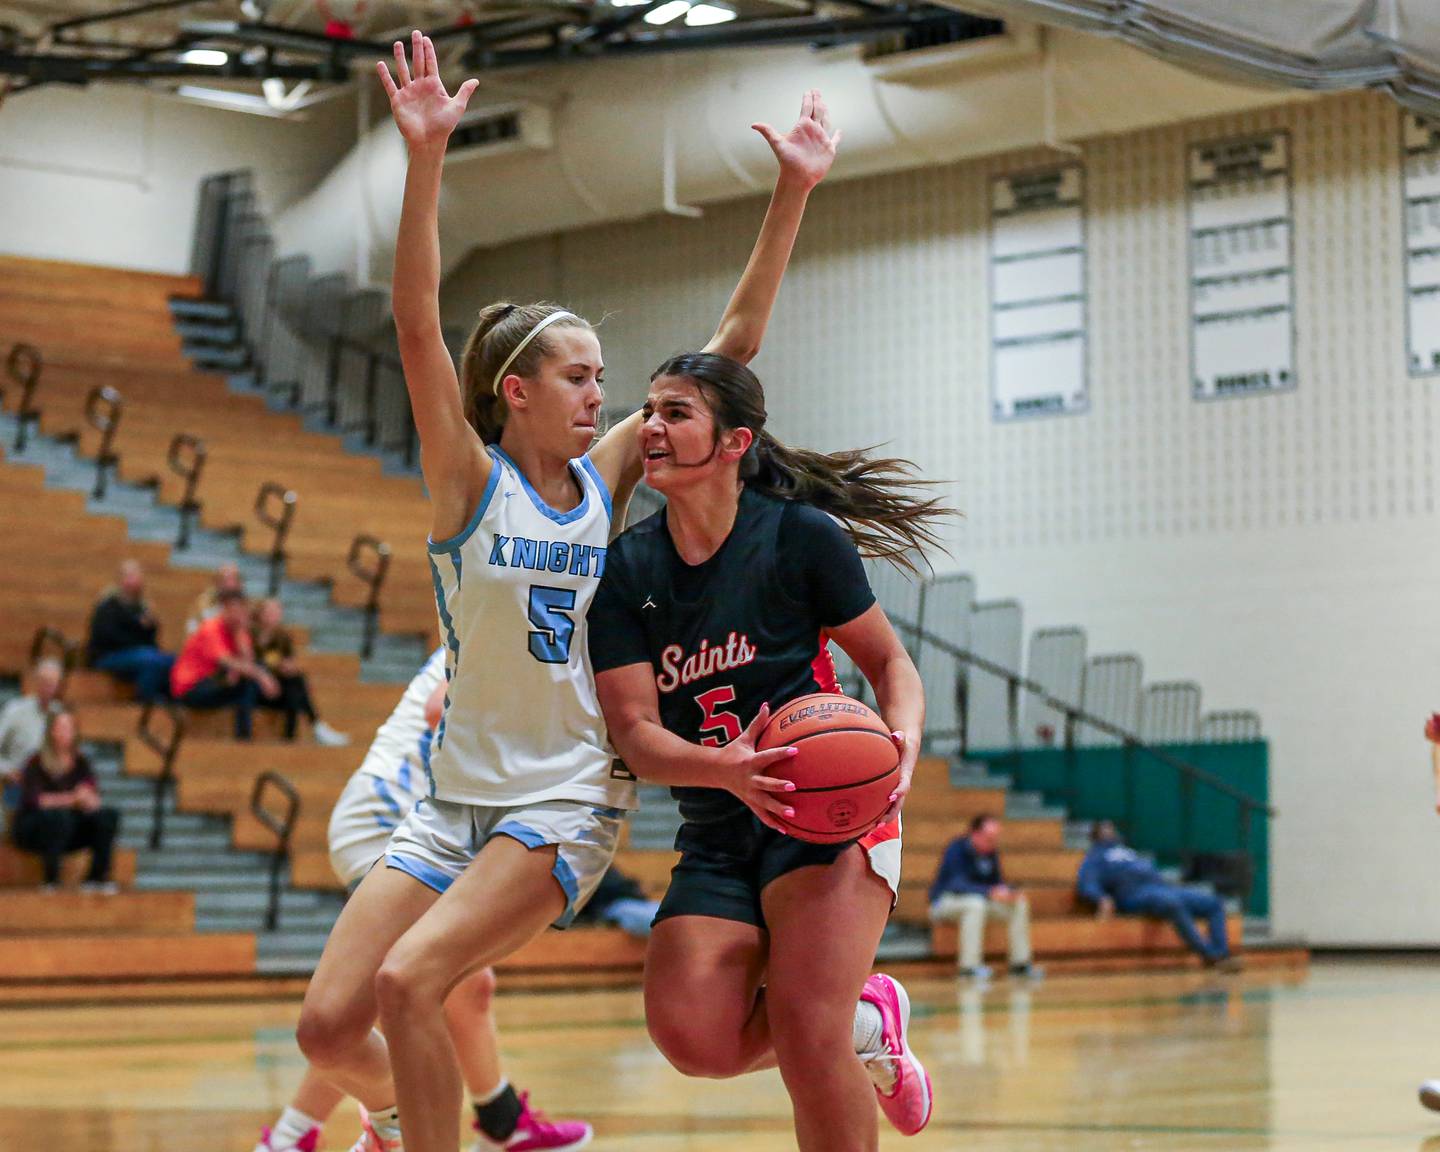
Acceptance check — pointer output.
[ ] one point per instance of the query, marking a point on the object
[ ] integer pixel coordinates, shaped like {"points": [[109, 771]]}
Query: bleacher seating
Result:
{"points": [[98, 326]]}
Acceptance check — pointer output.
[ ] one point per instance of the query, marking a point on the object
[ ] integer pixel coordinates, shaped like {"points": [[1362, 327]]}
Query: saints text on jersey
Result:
{"points": [[676, 668]]}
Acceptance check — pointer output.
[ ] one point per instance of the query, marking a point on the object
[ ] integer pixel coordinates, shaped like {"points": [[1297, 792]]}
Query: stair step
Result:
{"points": [[183, 308], [204, 356], [225, 333], [253, 902]]}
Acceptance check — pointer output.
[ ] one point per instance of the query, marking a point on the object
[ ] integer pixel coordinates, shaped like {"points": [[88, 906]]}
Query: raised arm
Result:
{"points": [[804, 154], [452, 457]]}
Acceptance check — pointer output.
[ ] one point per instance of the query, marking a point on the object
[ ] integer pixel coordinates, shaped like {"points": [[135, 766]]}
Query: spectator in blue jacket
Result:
{"points": [[1115, 878], [970, 889]]}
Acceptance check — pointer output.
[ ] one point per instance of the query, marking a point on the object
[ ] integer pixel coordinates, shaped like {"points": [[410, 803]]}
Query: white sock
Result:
{"points": [[869, 1031], [491, 1097], [386, 1123], [292, 1125]]}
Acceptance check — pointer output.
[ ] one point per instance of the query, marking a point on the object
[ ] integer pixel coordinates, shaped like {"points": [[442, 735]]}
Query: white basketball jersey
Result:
{"points": [[399, 755], [522, 723]]}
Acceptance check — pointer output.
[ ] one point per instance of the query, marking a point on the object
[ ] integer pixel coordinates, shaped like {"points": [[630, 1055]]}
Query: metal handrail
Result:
{"points": [[1075, 715], [167, 749], [103, 408], [69, 650], [279, 521], [1189, 775], [373, 574], [191, 470], [24, 366], [281, 827]]}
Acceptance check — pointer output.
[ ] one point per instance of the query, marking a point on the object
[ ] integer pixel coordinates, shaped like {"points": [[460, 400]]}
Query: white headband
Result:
{"points": [[525, 343]]}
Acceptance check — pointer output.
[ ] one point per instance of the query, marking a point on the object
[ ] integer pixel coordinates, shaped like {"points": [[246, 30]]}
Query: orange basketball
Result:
{"points": [[845, 769]]}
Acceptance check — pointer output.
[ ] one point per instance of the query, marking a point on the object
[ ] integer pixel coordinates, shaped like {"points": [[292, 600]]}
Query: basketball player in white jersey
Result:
{"points": [[525, 803], [384, 789]]}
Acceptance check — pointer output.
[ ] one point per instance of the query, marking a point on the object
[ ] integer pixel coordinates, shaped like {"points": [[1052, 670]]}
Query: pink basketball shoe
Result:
{"points": [[533, 1132], [270, 1142], [901, 1082]]}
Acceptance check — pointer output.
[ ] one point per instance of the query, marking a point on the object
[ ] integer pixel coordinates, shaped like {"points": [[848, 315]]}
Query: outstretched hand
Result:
{"points": [[808, 149], [424, 112]]}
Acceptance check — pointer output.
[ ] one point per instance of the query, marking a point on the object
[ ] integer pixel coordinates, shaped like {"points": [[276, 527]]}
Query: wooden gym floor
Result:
{"points": [[1326, 1059]]}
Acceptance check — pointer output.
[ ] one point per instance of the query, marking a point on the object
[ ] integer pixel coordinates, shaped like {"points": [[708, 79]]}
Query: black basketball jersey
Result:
{"points": [[742, 629]]}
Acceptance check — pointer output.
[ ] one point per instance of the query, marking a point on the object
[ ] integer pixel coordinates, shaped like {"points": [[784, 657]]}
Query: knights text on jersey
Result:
{"points": [[742, 629], [522, 724]]}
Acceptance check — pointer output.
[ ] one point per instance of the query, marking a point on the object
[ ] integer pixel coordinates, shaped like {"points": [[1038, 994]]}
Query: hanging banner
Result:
{"points": [[1420, 140], [1242, 304], [1038, 362]]}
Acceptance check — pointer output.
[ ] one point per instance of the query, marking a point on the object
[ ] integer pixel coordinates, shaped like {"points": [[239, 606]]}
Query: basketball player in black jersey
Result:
{"points": [[709, 614]]}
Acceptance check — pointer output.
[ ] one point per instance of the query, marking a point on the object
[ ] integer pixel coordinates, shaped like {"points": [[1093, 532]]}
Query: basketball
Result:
{"points": [[845, 770]]}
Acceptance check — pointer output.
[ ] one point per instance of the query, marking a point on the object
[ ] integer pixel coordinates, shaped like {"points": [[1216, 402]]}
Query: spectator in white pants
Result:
{"points": [[969, 888]]}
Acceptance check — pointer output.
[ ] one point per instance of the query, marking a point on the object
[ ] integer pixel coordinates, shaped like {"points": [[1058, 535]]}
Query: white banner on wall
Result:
{"points": [[1242, 306], [1038, 363], [1421, 142]]}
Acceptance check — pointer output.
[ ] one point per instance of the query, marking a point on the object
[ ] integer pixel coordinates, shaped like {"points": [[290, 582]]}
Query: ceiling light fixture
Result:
{"points": [[667, 12], [701, 15], [207, 57], [235, 101]]}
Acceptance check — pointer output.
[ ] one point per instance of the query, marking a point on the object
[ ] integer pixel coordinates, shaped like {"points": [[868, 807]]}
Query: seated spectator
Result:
{"points": [[970, 888], [123, 631], [60, 809], [207, 604], [217, 668], [1115, 878], [275, 650], [23, 720], [620, 900]]}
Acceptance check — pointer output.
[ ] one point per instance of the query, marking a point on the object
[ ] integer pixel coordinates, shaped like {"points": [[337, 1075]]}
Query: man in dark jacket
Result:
{"points": [[970, 888], [1115, 878], [123, 631]]}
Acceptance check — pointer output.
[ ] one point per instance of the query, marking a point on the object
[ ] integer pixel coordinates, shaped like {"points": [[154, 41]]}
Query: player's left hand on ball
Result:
{"points": [[1432, 728], [908, 755]]}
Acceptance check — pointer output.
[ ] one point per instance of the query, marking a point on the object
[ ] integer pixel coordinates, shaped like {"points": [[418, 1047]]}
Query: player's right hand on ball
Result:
{"points": [[747, 773], [1432, 728]]}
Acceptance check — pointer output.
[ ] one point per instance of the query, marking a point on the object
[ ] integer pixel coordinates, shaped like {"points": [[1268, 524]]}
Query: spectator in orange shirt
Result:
{"points": [[217, 667]]}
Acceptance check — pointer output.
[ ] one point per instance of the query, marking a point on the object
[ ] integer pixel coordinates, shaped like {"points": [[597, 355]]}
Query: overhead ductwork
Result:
{"points": [[1316, 44], [635, 137]]}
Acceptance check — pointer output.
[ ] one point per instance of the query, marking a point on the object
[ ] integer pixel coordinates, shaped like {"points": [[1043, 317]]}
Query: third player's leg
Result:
{"points": [[337, 1023], [825, 924], [469, 1016]]}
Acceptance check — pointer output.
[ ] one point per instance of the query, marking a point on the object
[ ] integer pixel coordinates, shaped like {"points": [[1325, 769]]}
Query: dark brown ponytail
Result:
{"points": [[498, 331], [878, 498]]}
